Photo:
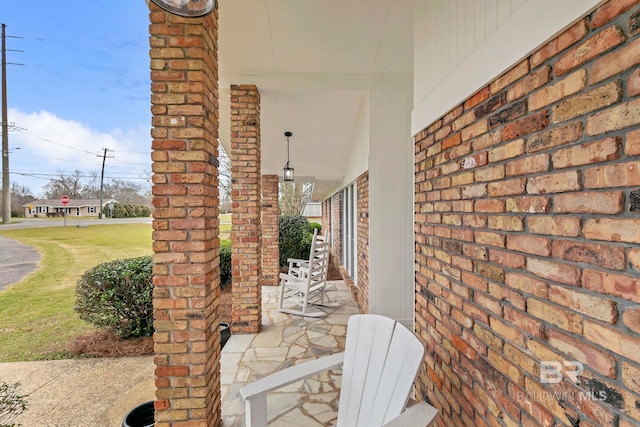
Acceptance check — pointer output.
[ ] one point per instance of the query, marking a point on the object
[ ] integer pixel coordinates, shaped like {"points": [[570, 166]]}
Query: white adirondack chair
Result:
{"points": [[379, 365], [305, 282]]}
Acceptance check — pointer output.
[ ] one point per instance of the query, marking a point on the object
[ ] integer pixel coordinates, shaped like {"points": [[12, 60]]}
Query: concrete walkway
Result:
{"points": [[84, 392], [100, 392]]}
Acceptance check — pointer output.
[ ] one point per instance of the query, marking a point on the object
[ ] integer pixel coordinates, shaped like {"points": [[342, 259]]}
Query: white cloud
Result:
{"points": [[42, 143]]}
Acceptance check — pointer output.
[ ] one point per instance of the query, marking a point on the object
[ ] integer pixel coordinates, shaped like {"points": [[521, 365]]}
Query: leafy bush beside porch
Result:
{"points": [[295, 236], [118, 295]]}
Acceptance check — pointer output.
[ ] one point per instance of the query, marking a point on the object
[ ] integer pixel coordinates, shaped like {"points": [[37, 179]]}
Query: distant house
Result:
{"points": [[75, 207]]}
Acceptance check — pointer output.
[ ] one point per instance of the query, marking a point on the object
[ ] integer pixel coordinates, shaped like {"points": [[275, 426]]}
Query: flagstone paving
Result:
{"points": [[286, 340]]}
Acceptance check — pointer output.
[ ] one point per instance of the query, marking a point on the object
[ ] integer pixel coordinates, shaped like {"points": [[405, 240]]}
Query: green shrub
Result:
{"points": [[313, 226], [12, 404], [119, 211], [129, 211], [118, 295], [291, 238], [225, 263]]}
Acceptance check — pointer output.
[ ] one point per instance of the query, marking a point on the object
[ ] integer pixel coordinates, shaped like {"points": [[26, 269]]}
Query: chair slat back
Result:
{"points": [[318, 261], [381, 361]]}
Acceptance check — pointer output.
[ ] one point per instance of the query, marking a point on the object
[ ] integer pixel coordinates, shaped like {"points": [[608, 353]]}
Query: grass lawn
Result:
{"points": [[37, 319]]}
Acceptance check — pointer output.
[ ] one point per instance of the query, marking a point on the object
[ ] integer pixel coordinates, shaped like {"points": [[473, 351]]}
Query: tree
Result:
{"points": [[224, 180], [20, 195], [67, 185], [79, 186], [293, 197], [126, 192]]}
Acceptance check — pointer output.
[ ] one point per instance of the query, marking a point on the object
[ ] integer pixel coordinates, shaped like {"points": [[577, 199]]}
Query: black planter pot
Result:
{"points": [[140, 416], [225, 334]]}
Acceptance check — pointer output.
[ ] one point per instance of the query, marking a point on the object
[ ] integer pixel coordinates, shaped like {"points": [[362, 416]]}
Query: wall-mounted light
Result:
{"points": [[287, 171], [187, 8]]}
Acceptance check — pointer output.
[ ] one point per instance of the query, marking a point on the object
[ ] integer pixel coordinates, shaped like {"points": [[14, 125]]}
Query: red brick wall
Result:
{"points": [[362, 209], [185, 237], [528, 237], [246, 231], [336, 227], [326, 216], [270, 231]]}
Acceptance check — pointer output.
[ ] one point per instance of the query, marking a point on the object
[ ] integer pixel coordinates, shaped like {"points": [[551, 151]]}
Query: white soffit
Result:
{"points": [[530, 27], [310, 60]]}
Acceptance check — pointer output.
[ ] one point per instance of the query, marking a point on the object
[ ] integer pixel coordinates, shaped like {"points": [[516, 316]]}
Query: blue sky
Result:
{"points": [[84, 87]]}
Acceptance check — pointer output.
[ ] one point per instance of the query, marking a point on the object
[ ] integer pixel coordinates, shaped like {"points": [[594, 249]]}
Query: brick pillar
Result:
{"points": [[326, 215], [363, 242], [246, 231], [270, 231], [336, 227], [185, 236]]}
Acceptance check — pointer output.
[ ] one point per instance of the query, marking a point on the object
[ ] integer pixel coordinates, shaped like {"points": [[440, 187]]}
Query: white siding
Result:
{"points": [[448, 31], [461, 45], [391, 279], [358, 161]]}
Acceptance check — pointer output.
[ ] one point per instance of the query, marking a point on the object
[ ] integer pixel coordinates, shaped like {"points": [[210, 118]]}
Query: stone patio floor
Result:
{"points": [[287, 340]]}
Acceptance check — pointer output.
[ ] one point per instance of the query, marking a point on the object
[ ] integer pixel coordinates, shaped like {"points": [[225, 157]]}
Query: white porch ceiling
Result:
{"points": [[311, 61]]}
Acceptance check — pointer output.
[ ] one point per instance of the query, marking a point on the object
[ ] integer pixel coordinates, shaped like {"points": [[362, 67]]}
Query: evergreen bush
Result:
{"points": [[129, 211], [225, 263], [118, 295], [313, 226], [294, 238]]}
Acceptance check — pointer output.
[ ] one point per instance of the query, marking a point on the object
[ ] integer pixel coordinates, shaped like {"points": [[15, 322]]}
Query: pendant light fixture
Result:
{"points": [[287, 171]]}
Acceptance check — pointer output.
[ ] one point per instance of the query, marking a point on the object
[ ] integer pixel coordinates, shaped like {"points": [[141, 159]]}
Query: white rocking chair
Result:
{"points": [[305, 282], [379, 365]]}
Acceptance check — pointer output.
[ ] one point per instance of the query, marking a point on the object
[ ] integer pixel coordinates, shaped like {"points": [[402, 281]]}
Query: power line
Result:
{"points": [[48, 176], [28, 132]]}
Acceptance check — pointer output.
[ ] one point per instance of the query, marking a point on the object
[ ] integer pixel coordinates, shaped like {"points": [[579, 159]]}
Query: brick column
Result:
{"points": [[270, 231], [326, 215], [246, 231], [185, 237], [336, 226], [363, 242]]}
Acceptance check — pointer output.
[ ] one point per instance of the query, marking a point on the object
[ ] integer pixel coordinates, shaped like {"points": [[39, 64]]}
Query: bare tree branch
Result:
{"points": [[293, 197]]}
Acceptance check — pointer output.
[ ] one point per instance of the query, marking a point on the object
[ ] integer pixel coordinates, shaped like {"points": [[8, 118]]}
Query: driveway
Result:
{"points": [[16, 261]]}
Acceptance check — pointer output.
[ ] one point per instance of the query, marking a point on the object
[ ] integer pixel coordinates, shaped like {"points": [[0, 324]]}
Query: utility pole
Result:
{"points": [[6, 189], [104, 159]]}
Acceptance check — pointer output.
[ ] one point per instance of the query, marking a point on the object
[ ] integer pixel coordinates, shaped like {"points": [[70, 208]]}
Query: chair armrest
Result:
{"points": [[297, 261], [290, 278], [421, 414], [290, 375]]}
